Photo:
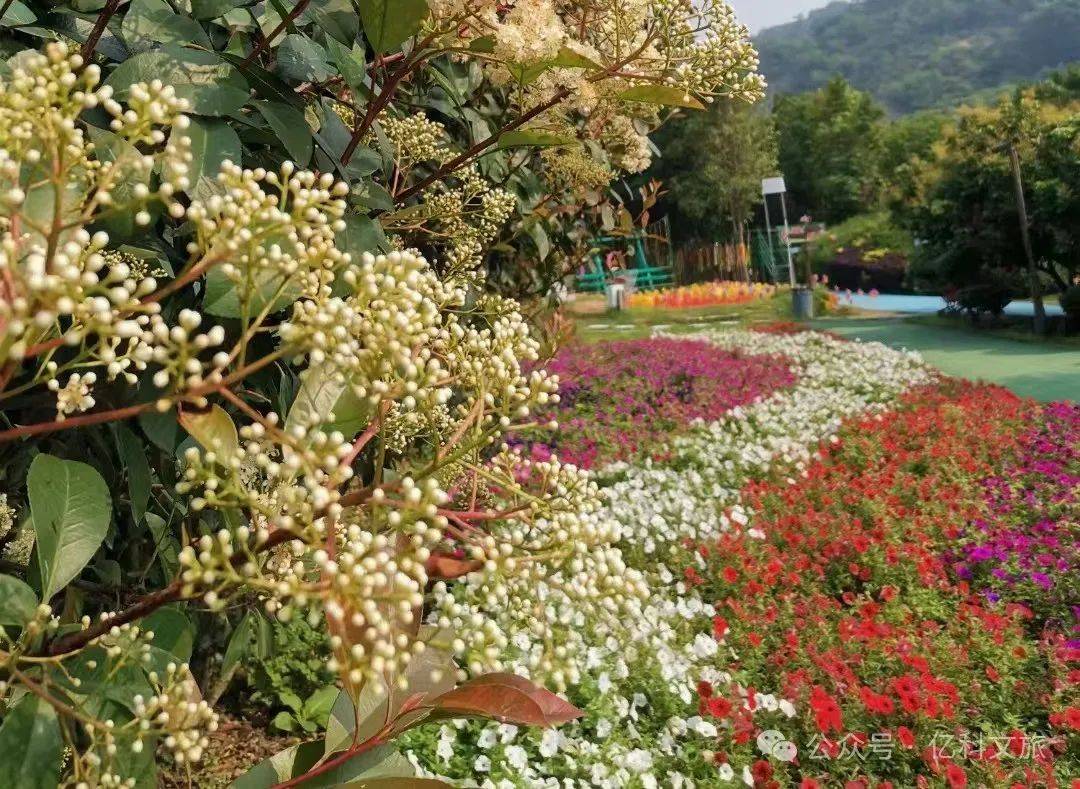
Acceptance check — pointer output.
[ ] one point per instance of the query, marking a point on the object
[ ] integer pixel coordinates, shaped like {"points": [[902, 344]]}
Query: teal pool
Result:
{"points": [[927, 305]]}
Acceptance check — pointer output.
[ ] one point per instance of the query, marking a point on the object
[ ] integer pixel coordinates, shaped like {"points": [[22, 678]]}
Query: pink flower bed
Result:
{"points": [[623, 400]]}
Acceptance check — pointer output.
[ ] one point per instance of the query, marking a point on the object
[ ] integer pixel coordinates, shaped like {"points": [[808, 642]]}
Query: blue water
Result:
{"points": [[887, 302]]}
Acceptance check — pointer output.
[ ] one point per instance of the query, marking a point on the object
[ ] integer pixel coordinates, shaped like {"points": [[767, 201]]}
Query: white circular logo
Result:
{"points": [[773, 743]]}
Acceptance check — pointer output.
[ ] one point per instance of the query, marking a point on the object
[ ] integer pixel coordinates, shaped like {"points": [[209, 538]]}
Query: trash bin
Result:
{"points": [[802, 303]]}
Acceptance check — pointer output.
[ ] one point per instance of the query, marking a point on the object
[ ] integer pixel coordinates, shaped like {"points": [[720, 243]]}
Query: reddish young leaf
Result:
{"points": [[446, 568], [507, 698]]}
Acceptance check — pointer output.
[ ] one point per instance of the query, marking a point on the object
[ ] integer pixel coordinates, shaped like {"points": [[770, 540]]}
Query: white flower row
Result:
{"points": [[631, 676]]}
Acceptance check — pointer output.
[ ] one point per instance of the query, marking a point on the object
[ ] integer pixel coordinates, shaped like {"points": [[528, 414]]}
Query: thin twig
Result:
{"points": [[99, 27], [264, 42]]}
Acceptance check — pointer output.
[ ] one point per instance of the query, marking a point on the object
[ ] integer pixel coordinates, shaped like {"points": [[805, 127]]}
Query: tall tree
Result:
{"points": [[712, 164], [829, 146]]}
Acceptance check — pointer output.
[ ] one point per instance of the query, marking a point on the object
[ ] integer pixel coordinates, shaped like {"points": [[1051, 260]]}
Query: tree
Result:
{"points": [[712, 164], [961, 202], [829, 144]]}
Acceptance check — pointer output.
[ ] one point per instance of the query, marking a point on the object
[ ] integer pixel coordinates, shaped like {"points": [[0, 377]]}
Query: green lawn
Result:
{"points": [[1043, 370]]}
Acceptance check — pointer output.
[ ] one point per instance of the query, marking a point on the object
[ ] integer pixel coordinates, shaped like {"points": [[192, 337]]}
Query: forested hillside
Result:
{"points": [[912, 54]]}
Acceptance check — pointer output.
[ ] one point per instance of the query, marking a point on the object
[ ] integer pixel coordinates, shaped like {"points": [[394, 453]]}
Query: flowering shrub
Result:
{"points": [[708, 294], [242, 262], [621, 400], [1027, 546]]}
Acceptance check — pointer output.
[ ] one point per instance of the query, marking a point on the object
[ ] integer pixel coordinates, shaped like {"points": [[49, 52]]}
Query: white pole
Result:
{"points": [[787, 233]]}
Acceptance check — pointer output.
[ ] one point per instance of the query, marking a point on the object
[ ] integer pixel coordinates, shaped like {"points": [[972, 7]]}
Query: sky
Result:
{"points": [[759, 14]]}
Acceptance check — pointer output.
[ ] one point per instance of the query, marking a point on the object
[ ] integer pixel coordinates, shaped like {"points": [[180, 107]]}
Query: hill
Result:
{"points": [[913, 54]]}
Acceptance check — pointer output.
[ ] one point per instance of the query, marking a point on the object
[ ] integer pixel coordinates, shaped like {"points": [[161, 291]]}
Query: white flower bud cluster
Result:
{"points": [[377, 580], [7, 516], [63, 282], [177, 349], [281, 237], [544, 578], [464, 218], [177, 714], [711, 50], [416, 139], [379, 338], [74, 396], [627, 147]]}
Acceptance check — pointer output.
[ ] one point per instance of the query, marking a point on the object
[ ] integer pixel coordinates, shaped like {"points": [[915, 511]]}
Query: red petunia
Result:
{"points": [[905, 736], [719, 627], [955, 776]]}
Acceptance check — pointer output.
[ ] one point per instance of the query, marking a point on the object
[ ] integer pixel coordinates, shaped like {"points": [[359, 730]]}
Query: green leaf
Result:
{"points": [[17, 14], [484, 45], [161, 428], [213, 429], [382, 761], [291, 700], [361, 234], [373, 196], [166, 545], [239, 642], [70, 505], [284, 721], [322, 394], [212, 86], [17, 601], [291, 127], [317, 708], [664, 95], [139, 477], [568, 58], [212, 143], [223, 297], [302, 60], [389, 23], [540, 237], [266, 85], [350, 63], [333, 137], [173, 632], [32, 746], [150, 23], [212, 9], [532, 138]]}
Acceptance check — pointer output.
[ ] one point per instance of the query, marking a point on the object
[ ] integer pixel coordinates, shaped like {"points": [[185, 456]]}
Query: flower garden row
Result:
{"points": [[856, 575]]}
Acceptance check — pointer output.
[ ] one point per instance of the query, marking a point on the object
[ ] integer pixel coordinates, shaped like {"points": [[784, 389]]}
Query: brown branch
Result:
{"points": [[284, 23], [78, 421], [148, 604], [102, 22]]}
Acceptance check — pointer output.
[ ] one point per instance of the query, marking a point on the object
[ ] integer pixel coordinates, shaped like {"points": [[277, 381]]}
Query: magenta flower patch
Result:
{"points": [[624, 400]]}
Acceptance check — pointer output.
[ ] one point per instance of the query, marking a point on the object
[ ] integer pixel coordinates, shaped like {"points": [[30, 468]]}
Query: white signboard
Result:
{"points": [[773, 186]]}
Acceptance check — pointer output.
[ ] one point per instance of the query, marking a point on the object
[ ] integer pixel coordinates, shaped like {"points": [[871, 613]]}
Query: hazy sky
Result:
{"points": [[758, 14]]}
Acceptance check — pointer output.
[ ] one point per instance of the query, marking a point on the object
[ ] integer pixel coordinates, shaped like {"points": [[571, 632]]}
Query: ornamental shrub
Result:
{"points": [[242, 257]]}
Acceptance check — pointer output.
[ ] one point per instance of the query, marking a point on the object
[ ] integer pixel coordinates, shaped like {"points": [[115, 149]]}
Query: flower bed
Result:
{"points": [[843, 605], [708, 294], [1027, 548], [637, 679], [618, 400], [801, 622]]}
